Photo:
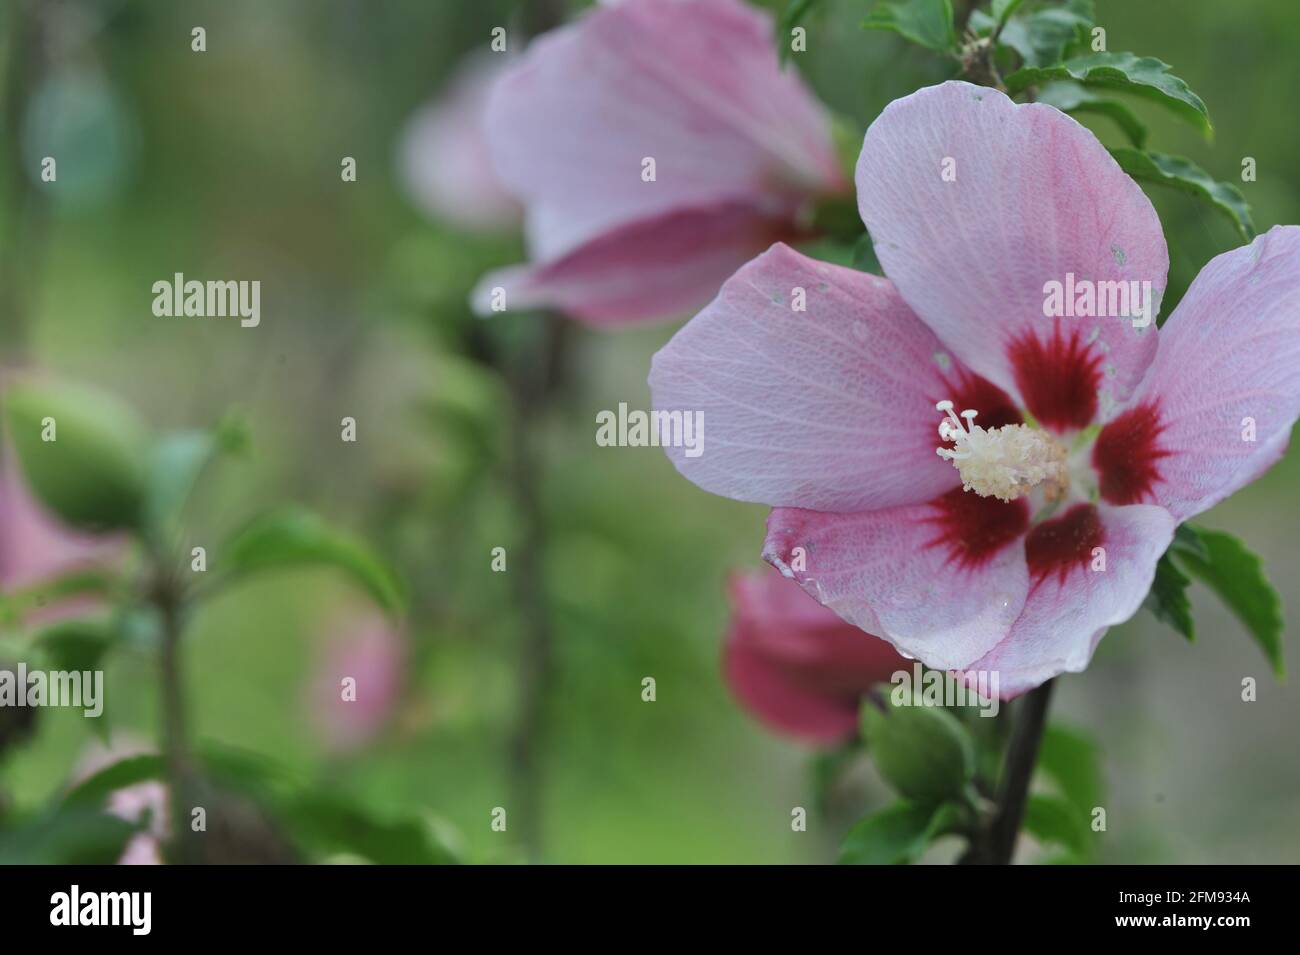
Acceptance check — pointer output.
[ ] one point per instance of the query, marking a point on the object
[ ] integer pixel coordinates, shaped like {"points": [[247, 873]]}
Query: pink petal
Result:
{"points": [[795, 665], [831, 408], [695, 85], [443, 157], [651, 268], [1070, 605], [1035, 196], [766, 691], [942, 581], [1230, 351], [772, 615], [368, 650]]}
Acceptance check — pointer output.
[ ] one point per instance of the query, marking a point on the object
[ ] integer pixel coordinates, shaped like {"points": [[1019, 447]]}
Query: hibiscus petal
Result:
{"points": [[765, 690], [1230, 352], [1070, 605], [1032, 196], [653, 268], [942, 581], [443, 158], [831, 408], [774, 615], [696, 86]]}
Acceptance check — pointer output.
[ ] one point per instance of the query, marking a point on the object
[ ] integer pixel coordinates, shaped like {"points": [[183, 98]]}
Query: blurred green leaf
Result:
{"points": [[1074, 98], [78, 583], [298, 538], [924, 752], [927, 22], [1168, 599], [1043, 37], [330, 825], [1184, 175], [80, 646], [792, 16], [91, 475], [864, 257], [1002, 9], [94, 790], [1236, 574], [176, 464], [897, 834], [1056, 820], [1143, 76], [1071, 759], [67, 835]]}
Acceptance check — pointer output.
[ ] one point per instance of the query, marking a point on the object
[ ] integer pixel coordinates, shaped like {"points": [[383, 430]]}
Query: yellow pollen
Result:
{"points": [[1005, 462]]}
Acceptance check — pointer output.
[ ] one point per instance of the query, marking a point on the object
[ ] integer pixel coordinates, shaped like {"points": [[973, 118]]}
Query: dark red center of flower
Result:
{"points": [[974, 528], [1057, 376], [1062, 544], [1127, 455]]}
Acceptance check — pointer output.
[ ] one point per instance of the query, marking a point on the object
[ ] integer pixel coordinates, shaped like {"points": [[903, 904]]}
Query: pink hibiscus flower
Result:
{"points": [[443, 158], [366, 650], [796, 666], [1018, 545], [740, 148]]}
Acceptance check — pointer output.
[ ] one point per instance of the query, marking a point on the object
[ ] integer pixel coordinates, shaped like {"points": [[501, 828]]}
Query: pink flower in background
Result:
{"points": [[796, 666], [132, 803], [35, 546], [369, 652], [739, 148], [829, 415], [443, 157]]}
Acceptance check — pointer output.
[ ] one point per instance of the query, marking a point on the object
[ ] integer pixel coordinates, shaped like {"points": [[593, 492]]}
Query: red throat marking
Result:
{"points": [[1058, 377]]}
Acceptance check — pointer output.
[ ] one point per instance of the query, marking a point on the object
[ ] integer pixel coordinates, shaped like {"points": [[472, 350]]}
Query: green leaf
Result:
{"points": [[133, 770], [1002, 9], [175, 466], [1168, 598], [864, 257], [897, 834], [298, 538], [79, 583], [331, 825], [1071, 759], [924, 752], [1188, 538], [91, 473], [1074, 98], [1053, 819], [69, 835], [76, 644], [1043, 37], [1236, 575], [1143, 76], [927, 22], [1185, 176], [794, 13]]}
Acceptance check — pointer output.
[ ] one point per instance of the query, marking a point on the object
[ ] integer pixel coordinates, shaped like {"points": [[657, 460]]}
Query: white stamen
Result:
{"points": [[1001, 462]]}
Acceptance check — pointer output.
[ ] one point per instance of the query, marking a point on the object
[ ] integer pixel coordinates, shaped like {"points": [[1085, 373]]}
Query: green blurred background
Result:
{"points": [[227, 164]]}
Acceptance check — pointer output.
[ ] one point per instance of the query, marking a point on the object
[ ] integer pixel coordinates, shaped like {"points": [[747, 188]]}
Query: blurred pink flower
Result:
{"points": [[795, 665], [35, 546], [829, 415], [131, 803], [443, 156], [739, 146], [357, 683]]}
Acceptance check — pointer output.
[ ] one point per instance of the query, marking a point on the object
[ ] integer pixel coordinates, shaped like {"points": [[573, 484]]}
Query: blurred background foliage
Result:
{"points": [[226, 164]]}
